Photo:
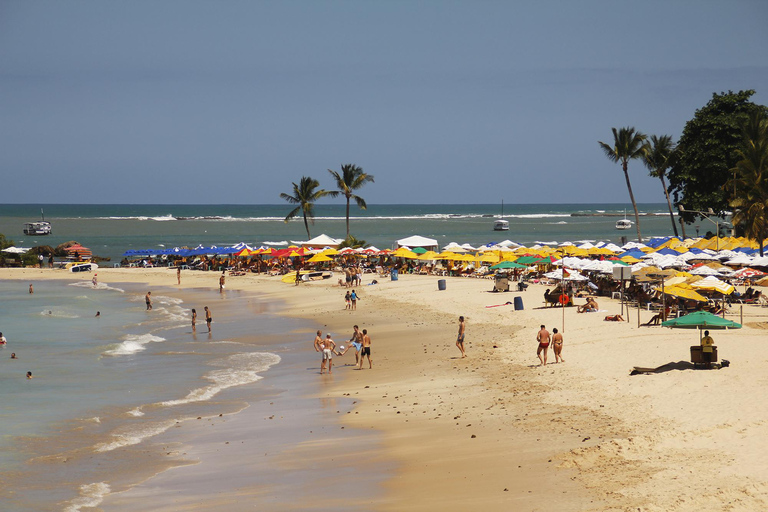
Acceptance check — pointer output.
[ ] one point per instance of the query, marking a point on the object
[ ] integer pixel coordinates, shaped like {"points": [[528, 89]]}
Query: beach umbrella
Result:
{"points": [[15, 250], [507, 264], [569, 276], [701, 320], [319, 258], [748, 273], [402, 252], [428, 255], [419, 250], [684, 292], [488, 257], [714, 284]]}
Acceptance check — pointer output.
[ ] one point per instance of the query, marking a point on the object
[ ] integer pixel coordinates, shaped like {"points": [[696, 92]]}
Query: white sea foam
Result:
{"points": [[137, 412], [238, 369], [133, 343], [90, 496], [99, 286], [58, 314], [129, 436]]}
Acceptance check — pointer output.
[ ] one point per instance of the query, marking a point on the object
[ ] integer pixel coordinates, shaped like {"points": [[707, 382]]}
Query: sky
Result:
{"points": [[441, 101]]}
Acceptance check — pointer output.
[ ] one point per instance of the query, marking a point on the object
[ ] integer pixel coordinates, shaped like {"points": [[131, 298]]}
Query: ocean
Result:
{"points": [[106, 386], [110, 230]]}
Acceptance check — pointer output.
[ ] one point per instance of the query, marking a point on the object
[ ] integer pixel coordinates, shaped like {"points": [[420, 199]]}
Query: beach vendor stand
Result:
{"points": [[701, 320]]}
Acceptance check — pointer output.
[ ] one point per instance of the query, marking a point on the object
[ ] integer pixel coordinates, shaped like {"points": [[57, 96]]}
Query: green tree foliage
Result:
{"points": [[750, 181], [352, 242], [351, 178], [4, 242], [628, 144], [305, 194], [708, 151], [657, 160]]}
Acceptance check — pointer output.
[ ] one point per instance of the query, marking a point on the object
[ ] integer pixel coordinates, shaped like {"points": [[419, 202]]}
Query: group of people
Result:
{"points": [[208, 318], [353, 276], [360, 341]]}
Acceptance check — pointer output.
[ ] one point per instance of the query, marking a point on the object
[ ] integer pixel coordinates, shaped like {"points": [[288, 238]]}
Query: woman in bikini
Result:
{"points": [[557, 345]]}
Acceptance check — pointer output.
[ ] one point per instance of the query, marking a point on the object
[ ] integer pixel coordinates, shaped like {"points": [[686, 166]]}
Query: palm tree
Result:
{"points": [[305, 195], [658, 159], [750, 182], [627, 145], [351, 178]]}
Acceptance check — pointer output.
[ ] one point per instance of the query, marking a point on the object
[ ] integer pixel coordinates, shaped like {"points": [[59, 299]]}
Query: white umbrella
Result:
{"points": [[704, 271], [558, 275]]}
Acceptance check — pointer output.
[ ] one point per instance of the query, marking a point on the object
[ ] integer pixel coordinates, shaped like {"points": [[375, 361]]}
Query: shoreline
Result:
{"points": [[582, 435]]}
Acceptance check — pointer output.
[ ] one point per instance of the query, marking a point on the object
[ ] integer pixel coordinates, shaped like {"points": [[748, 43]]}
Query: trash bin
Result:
{"points": [[518, 303], [393, 275], [441, 284]]}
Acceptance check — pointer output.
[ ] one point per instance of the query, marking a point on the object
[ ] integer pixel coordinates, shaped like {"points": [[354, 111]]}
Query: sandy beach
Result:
{"points": [[495, 430]]}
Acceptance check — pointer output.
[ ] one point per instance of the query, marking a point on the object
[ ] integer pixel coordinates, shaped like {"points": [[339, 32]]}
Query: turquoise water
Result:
{"points": [[103, 386], [110, 230]]}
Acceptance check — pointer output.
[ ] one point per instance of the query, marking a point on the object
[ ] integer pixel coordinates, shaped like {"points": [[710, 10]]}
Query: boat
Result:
{"points": [[624, 223], [38, 228], [81, 267], [500, 224]]}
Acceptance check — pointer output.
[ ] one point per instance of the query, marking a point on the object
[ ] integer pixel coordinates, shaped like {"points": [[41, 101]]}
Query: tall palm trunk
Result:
{"points": [[347, 216], [632, 198], [306, 226], [669, 204]]}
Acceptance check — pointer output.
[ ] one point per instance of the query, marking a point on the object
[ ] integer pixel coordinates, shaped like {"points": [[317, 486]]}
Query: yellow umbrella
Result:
{"points": [[402, 252], [445, 255], [714, 284], [330, 252], [684, 292], [488, 257], [318, 258], [429, 255]]}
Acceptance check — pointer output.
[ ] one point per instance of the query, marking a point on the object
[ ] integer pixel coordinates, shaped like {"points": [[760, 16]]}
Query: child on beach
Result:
{"points": [[348, 299], [353, 298], [460, 337]]}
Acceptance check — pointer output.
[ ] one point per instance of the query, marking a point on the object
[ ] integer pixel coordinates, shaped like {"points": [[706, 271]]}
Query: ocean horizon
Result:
{"points": [[111, 230]]}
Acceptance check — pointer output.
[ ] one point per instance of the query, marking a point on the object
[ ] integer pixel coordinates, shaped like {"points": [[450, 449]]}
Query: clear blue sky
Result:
{"points": [[442, 101]]}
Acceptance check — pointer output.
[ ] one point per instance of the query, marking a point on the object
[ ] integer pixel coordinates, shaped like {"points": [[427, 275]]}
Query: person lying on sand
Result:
{"points": [[613, 318]]}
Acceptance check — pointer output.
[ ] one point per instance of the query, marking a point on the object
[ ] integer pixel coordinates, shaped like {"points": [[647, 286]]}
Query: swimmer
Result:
{"points": [[31, 290], [13, 355], [3, 341], [29, 375], [98, 314]]}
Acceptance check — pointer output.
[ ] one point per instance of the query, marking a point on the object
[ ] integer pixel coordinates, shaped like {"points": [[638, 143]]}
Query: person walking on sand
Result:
{"points": [[148, 300], [353, 298], [460, 338], [222, 279], [348, 300], [543, 338], [208, 318], [366, 351], [557, 345], [178, 275], [194, 320]]}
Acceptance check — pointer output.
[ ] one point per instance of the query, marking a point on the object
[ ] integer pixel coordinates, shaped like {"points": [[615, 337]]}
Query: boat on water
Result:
{"points": [[38, 228], [500, 224], [624, 223]]}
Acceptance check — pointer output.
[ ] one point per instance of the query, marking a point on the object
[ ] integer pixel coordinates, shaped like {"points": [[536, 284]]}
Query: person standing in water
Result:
{"points": [[31, 290], [148, 300], [194, 320], [460, 338], [222, 281], [208, 318]]}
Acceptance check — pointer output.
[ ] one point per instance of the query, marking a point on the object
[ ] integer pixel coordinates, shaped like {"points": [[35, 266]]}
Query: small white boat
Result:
{"points": [[38, 228], [500, 224], [624, 223], [82, 267]]}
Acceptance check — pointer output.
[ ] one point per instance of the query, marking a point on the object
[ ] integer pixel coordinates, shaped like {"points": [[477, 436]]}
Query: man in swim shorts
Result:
{"points": [[366, 350], [355, 341], [148, 300], [543, 338], [460, 338], [557, 342], [328, 351], [208, 317]]}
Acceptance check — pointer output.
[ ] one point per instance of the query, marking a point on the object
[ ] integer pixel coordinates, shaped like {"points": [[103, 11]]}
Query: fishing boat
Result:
{"points": [[38, 228], [624, 223], [500, 224]]}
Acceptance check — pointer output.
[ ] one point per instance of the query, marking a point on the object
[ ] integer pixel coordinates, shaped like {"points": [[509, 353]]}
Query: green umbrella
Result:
{"points": [[419, 250], [701, 320], [528, 260], [507, 264]]}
